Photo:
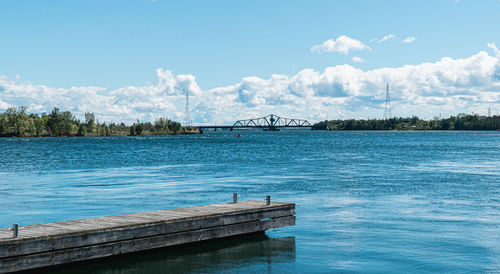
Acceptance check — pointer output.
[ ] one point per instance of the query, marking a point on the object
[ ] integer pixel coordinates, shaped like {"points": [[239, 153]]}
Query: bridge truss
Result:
{"points": [[272, 122]]}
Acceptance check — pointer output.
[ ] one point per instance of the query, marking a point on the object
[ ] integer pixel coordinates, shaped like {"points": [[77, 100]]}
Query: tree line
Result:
{"points": [[17, 122], [459, 122]]}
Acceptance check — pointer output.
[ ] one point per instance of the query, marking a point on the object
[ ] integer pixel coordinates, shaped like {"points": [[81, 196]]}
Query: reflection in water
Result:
{"points": [[253, 251]]}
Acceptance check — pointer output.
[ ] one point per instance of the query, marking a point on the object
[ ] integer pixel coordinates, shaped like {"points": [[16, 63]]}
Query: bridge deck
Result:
{"points": [[45, 245]]}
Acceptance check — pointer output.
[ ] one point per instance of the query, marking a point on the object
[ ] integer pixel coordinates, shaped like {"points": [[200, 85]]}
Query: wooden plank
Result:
{"points": [[122, 219], [112, 228], [51, 243], [47, 259]]}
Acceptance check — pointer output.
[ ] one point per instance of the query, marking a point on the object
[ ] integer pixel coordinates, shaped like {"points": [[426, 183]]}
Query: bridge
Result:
{"points": [[270, 122]]}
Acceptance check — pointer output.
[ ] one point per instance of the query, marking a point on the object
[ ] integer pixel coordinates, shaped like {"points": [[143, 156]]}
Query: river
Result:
{"points": [[366, 201]]}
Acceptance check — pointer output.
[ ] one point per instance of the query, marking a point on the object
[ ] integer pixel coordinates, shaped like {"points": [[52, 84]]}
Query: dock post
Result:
{"points": [[235, 198], [268, 200], [15, 230]]}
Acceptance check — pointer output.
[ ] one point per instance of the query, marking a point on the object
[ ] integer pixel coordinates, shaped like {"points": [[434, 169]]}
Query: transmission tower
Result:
{"points": [[187, 115], [387, 111]]}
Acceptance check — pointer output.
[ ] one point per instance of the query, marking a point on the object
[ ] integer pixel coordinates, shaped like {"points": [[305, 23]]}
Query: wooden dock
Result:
{"points": [[51, 244]]}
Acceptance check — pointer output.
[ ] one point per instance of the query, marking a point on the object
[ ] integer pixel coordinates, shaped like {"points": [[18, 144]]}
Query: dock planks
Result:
{"points": [[51, 244]]}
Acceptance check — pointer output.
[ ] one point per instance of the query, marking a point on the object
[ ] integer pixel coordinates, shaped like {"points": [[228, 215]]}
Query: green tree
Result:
{"points": [[90, 122], [106, 130], [67, 123], [82, 130], [132, 130], [139, 128], [175, 127], [53, 123], [3, 124]]}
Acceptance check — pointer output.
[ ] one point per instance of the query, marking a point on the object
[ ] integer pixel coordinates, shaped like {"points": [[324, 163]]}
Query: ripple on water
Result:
{"points": [[366, 201]]}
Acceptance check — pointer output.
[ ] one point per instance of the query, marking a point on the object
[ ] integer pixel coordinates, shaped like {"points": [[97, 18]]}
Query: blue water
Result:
{"points": [[366, 201]]}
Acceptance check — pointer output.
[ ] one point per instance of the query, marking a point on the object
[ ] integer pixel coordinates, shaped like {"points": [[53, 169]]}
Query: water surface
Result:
{"points": [[366, 201]]}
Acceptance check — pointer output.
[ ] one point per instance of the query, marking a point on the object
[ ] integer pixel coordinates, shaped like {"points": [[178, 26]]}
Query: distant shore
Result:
{"points": [[16, 122], [110, 135], [459, 122]]}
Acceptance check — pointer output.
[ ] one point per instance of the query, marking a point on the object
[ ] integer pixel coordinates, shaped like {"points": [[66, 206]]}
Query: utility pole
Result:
{"points": [[187, 115], [387, 111]]}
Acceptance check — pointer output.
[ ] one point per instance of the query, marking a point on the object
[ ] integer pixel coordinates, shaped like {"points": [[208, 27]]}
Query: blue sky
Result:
{"points": [[104, 47]]}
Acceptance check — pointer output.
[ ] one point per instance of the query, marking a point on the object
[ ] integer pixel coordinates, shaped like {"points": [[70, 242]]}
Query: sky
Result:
{"points": [[136, 59]]}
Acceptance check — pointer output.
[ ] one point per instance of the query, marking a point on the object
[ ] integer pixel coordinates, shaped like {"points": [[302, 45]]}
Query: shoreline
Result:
{"points": [[111, 135]]}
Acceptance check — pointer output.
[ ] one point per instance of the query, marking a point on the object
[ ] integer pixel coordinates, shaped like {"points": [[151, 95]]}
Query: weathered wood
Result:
{"points": [[69, 241], [94, 233], [122, 247]]}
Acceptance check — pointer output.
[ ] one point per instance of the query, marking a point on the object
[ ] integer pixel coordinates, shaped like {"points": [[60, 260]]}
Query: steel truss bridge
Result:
{"points": [[270, 122]]}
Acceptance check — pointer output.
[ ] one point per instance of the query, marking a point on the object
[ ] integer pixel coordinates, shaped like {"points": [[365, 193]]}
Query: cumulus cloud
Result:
{"points": [[448, 86], [409, 40], [386, 38], [358, 59], [123, 104], [343, 44]]}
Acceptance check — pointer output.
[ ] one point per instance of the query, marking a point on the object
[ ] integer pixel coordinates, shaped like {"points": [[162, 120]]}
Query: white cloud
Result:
{"points": [[494, 48], [4, 105], [448, 86], [387, 37], [409, 40], [358, 59], [124, 104], [343, 44]]}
